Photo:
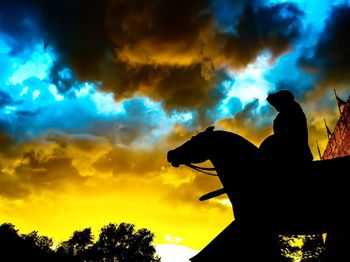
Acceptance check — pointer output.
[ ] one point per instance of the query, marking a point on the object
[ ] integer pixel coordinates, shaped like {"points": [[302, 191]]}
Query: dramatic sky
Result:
{"points": [[94, 93]]}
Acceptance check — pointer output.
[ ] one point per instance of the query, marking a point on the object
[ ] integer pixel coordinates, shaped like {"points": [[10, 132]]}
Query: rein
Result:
{"points": [[202, 169]]}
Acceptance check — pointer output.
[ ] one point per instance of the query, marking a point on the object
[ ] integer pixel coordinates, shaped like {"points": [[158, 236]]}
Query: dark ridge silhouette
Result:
{"points": [[115, 243], [270, 195]]}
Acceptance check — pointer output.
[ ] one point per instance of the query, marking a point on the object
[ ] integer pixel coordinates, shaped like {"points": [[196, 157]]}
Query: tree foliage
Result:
{"points": [[25, 247], [124, 243], [305, 248], [120, 243]]}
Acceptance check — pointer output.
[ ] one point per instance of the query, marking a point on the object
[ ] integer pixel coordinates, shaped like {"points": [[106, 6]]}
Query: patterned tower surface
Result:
{"points": [[339, 142]]}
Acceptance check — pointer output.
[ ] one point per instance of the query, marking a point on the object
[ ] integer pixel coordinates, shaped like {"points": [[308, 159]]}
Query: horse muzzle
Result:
{"points": [[172, 159]]}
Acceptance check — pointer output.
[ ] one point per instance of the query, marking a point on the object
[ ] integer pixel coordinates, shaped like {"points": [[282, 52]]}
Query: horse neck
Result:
{"points": [[230, 149], [231, 154]]}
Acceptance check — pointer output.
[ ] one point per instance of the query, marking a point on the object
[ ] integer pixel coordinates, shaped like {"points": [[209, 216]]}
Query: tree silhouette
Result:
{"points": [[313, 248], [307, 248], [25, 247], [77, 247], [123, 243], [42, 242], [10, 242], [37, 247], [120, 243]]}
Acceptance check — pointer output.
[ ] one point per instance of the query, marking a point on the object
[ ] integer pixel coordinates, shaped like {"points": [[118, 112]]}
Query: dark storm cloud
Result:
{"points": [[331, 59], [181, 87], [171, 51], [181, 55], [19, 21], [76, 29], [158, 21], [262, 27], [186, 87]]}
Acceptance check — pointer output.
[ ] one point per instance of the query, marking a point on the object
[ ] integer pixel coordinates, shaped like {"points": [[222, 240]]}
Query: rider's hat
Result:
{"points": [[280, 99]]}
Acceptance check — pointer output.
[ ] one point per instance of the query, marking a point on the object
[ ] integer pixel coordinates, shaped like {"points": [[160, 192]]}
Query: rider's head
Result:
{"points": [[281, 99]]}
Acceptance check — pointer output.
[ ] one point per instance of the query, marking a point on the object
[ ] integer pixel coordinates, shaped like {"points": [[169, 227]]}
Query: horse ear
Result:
{"points": [[210, 129]]}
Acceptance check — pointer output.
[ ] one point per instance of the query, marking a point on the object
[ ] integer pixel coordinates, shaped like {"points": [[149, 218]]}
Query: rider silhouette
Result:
{"points": [[290, 138]]}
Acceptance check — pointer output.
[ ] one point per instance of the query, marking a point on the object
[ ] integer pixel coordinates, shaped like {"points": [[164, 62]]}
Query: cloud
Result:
{"points": [[193, 33], [87, 143], [137, 121], [186, 88], [171, 51], [259, 28], [252, 123], [181, 59], [10, 187], [330, 61], [124, 160], [19, 22], [47, 169], [6, 141], [297, 86], [5, 99], [159, 32], [33, 168]]}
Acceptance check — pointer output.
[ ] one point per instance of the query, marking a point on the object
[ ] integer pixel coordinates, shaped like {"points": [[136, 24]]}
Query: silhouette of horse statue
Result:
{"points": [[269, 198]]}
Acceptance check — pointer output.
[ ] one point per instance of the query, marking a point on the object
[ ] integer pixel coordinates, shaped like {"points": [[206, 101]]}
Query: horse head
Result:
{"points": [[228, 152], [194, 150]]}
